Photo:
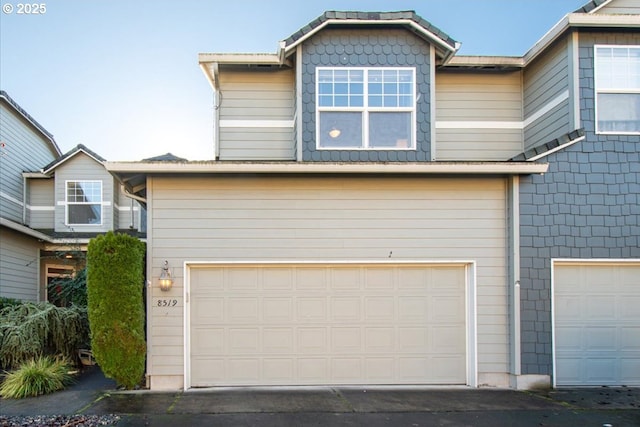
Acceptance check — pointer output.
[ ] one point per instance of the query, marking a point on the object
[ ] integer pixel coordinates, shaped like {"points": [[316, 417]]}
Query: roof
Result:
{"points": [[591, 6], [551, 146], [408, 19], [165, 158], [4, 95], [71, 153]]}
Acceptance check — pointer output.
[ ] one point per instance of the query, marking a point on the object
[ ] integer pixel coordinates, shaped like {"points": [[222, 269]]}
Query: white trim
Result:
{"points": [[574, 261], [80, 150], [41, 208], [483, 124], [470, 300], [597, 9], [488, 124], [437, 40], [11, 199], [25, 230], [366, 110], [66, 203], [329, 168], [471, 317], [558, 148], [299, 112], [575, 78], [432, 104], [546, 108], [256, 123], [597, 92]]}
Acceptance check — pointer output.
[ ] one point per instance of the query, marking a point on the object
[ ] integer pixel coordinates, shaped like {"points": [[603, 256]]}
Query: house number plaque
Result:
{"points": [[166, 302]]}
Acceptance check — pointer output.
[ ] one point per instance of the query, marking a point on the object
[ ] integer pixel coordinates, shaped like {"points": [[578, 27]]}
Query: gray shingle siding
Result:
{"points": [[366, 48], [586, 206]]}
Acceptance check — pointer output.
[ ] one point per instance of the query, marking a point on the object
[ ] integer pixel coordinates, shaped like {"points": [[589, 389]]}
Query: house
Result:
{"points": [[24, 145], [381, 210], [52, 205]]}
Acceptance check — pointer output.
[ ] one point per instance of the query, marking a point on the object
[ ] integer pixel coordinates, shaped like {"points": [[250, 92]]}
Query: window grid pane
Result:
{"points": [[618, 89], [388, 92], [84, 202]]}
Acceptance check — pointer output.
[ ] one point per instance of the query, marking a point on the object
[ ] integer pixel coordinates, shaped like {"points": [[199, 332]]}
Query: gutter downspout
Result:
{"points": [[516, 371], [132, 196]]}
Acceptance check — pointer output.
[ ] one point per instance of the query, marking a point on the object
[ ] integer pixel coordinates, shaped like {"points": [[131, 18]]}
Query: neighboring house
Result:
{"points": [[381, 210], [25, 145], [52, 205]]}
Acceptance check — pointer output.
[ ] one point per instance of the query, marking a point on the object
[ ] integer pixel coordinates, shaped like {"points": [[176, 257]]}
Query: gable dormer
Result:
{"points": [[349, 86]]}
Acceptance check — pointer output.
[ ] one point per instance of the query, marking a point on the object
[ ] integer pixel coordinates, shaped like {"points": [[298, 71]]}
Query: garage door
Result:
{"points": [[597, 324], [309, 324]]}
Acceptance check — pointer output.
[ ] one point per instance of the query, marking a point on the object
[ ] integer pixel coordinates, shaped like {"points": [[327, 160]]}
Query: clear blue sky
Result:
{"points": [[122, 76]]}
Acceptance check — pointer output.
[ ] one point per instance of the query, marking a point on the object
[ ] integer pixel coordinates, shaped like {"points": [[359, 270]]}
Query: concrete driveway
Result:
{"points": [[339, 406]]}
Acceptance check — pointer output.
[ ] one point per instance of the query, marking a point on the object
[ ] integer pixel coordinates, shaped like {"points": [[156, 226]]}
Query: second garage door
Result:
{"points": [[311, 324], [597, 323]]}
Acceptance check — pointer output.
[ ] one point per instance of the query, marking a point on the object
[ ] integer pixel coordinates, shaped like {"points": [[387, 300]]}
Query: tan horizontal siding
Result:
{"points": [[478, 144], [256, 95], [462, 97], [329, 218]]}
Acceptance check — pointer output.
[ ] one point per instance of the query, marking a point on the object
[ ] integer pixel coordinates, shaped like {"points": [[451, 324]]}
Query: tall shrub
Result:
{"points": [[116, 312]]}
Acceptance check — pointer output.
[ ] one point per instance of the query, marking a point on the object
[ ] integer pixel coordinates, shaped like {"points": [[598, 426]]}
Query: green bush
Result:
{"points": [[30, 330], [66, 291], [8, 302], [116, 311], [38, 376]]}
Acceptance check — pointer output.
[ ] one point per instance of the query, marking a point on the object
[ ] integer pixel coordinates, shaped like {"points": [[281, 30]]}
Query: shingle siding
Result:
{"points": [[586, 206], [366, 48]]}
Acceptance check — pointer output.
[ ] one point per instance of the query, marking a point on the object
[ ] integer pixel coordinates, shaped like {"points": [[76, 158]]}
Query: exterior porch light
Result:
{"points": [[166, 282]]}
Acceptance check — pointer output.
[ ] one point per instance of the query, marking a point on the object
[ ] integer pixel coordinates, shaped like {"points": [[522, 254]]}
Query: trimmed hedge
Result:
{"points": [[116, 312]]}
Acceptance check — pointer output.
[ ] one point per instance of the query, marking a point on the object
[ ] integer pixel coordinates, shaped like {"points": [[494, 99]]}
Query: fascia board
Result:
{"points": [[462, 168], [434, 38]]}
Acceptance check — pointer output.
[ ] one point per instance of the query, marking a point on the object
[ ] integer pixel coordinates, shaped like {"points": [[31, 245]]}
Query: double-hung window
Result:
{"points": [[617, 76], [84, 202], [365, 108]]}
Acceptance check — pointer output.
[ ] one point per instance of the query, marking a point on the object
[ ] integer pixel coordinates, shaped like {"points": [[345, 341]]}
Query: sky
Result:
{"points": [[122, 76]]}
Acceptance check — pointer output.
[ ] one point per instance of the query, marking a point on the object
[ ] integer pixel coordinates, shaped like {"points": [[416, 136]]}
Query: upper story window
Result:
{"points": [[84, 202], [617, 72], [365, 108]]}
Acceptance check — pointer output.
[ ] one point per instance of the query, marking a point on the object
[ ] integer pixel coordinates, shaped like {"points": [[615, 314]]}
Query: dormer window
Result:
{"points": [[84, 202], [365, 108]]}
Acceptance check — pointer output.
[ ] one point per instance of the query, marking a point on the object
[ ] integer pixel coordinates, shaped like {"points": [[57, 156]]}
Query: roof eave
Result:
{"points": [[446, 48], [580, 20], [18, 109], [216, 167]]}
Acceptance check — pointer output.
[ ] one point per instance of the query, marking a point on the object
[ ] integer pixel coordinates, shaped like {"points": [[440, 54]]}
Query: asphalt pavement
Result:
{"points": [[93, 394]]}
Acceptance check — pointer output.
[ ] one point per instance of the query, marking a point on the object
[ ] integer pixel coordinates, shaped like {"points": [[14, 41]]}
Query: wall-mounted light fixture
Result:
{"points": [[334, 133], [165, 277]]}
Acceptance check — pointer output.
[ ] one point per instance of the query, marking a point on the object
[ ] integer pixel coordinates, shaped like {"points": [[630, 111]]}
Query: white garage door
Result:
{"points": [[597, 324], [308, 324]]}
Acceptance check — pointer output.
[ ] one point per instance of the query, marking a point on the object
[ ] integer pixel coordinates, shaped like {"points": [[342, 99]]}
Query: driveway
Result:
{"points": [[339, 406]]}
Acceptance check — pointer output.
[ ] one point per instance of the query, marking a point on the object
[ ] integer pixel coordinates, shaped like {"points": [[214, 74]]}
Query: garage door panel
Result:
{"points": [[242, 310], [379, 340], [312, 310], [277, 278], [329, 325], [277, 310], [311, 279], [597, 335], [346, 308], [630, 337], [629, 307]]}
